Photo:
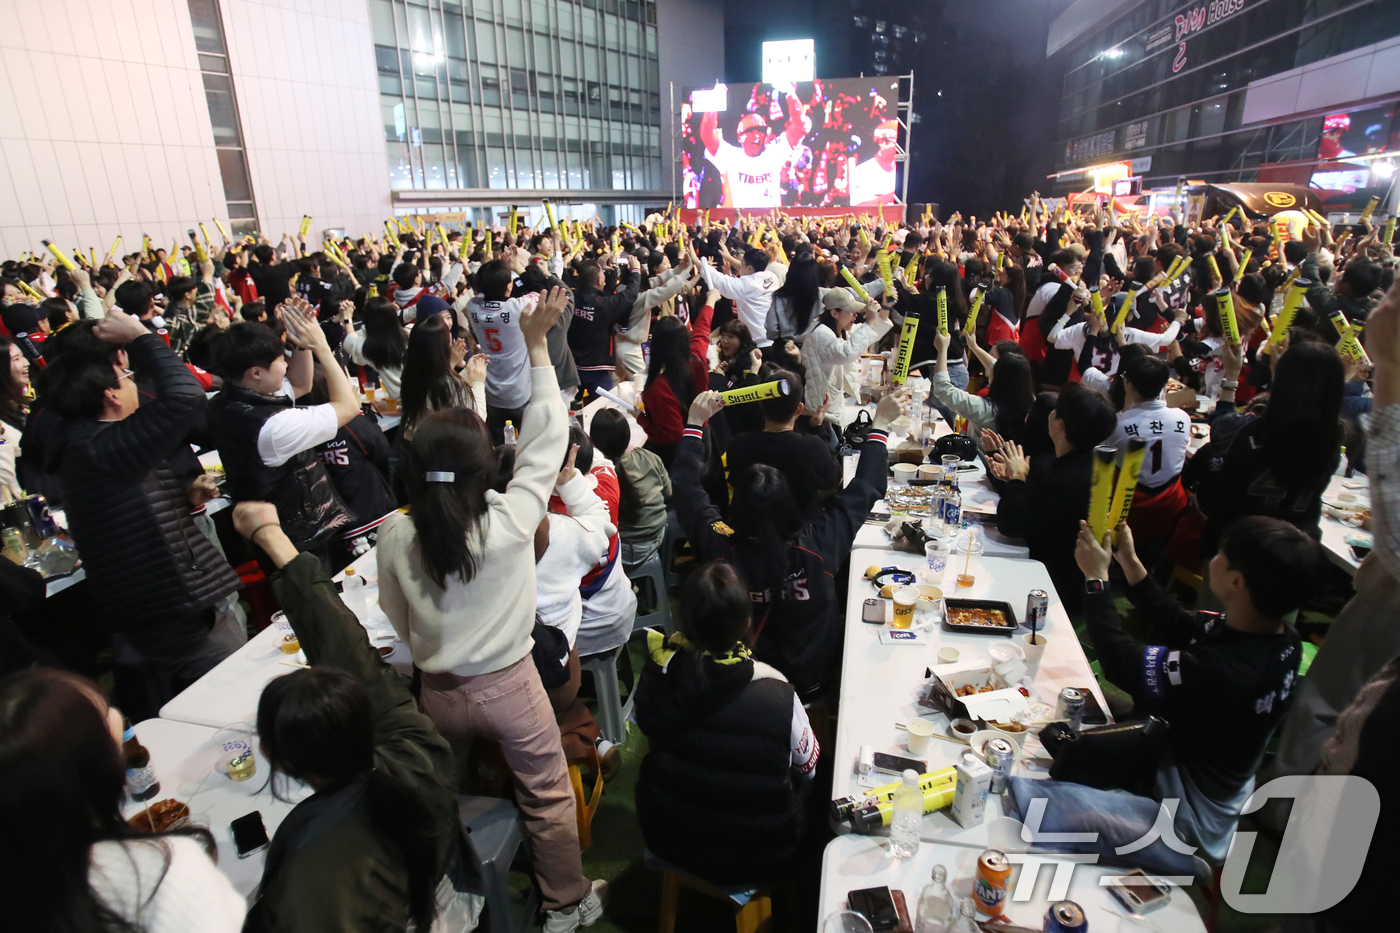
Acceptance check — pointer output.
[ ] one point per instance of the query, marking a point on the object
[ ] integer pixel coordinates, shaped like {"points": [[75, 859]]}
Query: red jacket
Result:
{"points": [[662, 416]]}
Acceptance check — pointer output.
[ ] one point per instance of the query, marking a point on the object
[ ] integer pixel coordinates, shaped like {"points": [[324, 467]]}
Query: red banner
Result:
{"points": [[888, 213]]}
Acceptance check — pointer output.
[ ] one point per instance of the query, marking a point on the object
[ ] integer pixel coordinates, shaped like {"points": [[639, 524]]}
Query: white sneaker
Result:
{"points": [[583, 914]]}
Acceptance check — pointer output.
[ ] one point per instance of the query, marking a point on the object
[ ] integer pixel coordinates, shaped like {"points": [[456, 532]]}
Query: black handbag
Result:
{"points": [[1121, 756], [551, 655], [960, 444], [858, 430]]}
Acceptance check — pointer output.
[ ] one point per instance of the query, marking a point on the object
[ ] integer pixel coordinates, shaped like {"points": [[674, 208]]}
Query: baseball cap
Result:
{"points": [[430, 305], [841, 299], [752, 121]]}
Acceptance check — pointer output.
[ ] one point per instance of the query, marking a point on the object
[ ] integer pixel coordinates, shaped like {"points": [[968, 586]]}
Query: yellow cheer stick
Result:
{"points": [[1127, 483], [146, 245], [1101, 490], [1129, 302], [1357, 350], [1001, 261], [1178, 268], [936, 798], [116, 245], [514, 220], [852, 281], [462, 248], [442, 234], [842, 807], [29, 290], [1389, 232], [1225, 305], [906, 349], [218, 225], [1345, 338], [1096, 301], [58, 254], [1239, 273], [942, 310], [864, 240], [911, 274], [549, 212], [305, 225], [971, 326], [199, 251], [1214, 269], [490, 246], [763, 390], [1369, 209], [92, 258], [204, 231], [882, 261]]}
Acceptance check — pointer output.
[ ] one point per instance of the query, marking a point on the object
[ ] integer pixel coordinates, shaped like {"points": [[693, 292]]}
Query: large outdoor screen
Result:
{"points": [[823, 143]]}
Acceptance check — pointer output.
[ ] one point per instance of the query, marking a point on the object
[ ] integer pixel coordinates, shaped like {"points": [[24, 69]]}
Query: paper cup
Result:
{"points": [[905, 599], [948, 655], [917, 734], [1034, 647], [930, 471], [905, 472]]}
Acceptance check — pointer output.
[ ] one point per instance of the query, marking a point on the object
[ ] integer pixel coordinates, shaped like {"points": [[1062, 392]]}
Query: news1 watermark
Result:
{"points": [[1320, 857]]}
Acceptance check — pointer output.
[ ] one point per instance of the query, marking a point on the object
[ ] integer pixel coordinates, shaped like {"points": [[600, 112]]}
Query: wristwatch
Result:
{"points": [[1095, 586]]}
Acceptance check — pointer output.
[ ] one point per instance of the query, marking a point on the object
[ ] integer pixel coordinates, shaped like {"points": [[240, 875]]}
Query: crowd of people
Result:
{"points": [[420, 392]]}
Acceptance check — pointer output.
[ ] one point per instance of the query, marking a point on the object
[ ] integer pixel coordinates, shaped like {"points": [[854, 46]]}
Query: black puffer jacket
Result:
{"points": [[716, 793], [146, 561]]}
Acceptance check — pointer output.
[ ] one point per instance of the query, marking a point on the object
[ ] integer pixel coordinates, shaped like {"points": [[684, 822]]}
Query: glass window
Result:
{"points": [[381, 21], [485, 42], [215, 63], [435, 175], [400, 168], [234, 171], [208, 28], [497, 173], [223, 116]]}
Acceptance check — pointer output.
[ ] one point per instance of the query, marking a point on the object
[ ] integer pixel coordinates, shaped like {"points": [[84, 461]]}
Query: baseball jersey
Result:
{"points": [[869, 181], [754, 181], [496, 325], [1167, 432]]}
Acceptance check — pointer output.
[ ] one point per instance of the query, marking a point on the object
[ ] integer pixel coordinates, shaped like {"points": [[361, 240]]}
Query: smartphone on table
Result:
{"points": [[249, 834]]}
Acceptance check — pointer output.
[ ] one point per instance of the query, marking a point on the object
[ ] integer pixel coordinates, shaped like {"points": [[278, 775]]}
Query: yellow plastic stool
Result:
{"points": [[756, 916], [585, 808]]}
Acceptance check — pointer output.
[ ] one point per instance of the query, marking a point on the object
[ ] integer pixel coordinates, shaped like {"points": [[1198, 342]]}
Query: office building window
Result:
{"points": [[519, 94], [223, 115]]}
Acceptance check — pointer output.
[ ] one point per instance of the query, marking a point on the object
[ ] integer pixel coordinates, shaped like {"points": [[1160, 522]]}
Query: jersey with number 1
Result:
{"points": [[497, 328], [1167, 432]]}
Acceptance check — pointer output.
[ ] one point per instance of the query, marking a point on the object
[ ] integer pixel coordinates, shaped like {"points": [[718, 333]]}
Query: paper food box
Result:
{"points": [[1001, 703]]}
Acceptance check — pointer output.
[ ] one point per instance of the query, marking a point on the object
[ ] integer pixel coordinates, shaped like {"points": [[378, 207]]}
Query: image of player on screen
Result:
{"points": [[791, 145], [872, 181], [751, 173]]}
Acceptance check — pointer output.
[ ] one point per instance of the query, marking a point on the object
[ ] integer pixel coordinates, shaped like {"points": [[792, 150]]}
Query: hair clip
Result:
{"points": [[433, 476]]}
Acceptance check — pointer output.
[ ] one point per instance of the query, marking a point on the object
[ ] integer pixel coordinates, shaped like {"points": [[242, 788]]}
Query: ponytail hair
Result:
{"points": [[715, 612], [611, 434], [447, 515], [320, 721]]}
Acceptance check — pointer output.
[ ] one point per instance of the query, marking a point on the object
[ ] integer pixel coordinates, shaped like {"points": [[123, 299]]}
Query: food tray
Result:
{"points": [[952, 605]]}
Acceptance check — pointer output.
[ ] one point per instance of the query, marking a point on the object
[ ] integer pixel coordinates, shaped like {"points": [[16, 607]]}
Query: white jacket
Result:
{"points": [[578, 542], [627, 346], [829, 359], [752, 296]]}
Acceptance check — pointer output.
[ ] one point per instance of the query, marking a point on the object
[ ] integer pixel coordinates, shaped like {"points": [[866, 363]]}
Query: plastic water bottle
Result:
{"points": [[352, 594], [935, 904], [907, 817], [510, 434]]}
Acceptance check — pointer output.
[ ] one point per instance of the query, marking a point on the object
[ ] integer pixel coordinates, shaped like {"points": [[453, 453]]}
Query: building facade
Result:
{"points": [[150, 116], [1229, 90]]}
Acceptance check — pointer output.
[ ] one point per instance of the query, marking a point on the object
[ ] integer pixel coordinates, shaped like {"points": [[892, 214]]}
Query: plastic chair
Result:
{"points": [[753, 907], [494, 834], [652, 571], [584, 808], [612, 714]]}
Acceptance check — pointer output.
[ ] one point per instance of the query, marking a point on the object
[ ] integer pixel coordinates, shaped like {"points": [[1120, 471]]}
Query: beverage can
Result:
{"points": [[44, 525], [1037, 609], [990, 884], [1065, 917], [1071, 707], [1001, 755], [14, 547]]}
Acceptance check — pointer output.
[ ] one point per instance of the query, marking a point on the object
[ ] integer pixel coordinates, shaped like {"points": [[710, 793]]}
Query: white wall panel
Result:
{"points": [[309, 106], [94, 95]]}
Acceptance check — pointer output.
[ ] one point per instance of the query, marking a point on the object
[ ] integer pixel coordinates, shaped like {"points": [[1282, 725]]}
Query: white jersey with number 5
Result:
{"points": [[497, 328], [1167, 432]]}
